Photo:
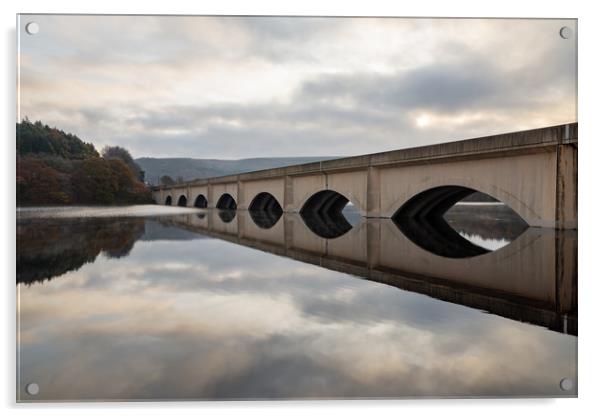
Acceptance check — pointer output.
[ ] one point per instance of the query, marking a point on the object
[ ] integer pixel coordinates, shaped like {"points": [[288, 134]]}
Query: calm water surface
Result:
{"points": [[151, 302]]}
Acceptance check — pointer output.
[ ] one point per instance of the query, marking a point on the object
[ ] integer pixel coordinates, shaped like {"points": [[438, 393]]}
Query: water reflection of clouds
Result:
{"points": [[242, 323], [490, 244], [317, 292]]}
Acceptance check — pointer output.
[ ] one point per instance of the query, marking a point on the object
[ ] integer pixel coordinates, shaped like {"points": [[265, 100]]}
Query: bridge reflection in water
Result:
{"points": [[532, 279]]}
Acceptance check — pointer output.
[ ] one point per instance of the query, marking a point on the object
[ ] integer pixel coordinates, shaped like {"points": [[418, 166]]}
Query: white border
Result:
{"points": [[590, 277]]}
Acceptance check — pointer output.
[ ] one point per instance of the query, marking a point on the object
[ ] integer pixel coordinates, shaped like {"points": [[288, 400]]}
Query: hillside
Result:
{"points": [[55, 167], [190, 168]]}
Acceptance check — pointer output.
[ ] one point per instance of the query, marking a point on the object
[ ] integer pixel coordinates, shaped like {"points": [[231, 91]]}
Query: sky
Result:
{"points": [[241, 87]]}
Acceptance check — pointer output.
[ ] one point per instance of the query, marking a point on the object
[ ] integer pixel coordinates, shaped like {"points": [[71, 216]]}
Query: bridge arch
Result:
{"points": [[325, 201], [168, 201], [455, 186], [226, 202], [310, 193], [265, 202], [182, 201], [433, 202], [265, 210], [200, 201]]}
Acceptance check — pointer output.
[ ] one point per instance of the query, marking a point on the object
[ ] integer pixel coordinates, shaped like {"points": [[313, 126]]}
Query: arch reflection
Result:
{"points": [[519, 281], [424, 219], [226, 215]]}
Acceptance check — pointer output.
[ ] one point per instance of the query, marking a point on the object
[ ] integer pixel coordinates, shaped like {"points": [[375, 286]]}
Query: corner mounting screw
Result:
{"points": [[32, 388], [566, 32], [32, 28]]}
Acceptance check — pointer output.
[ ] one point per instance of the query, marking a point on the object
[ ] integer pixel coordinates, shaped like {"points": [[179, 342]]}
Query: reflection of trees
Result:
{"points": [[47, 248]]}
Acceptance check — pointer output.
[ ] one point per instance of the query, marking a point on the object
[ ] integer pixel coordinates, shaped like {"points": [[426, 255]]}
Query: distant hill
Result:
{"points": [[190, 168]]}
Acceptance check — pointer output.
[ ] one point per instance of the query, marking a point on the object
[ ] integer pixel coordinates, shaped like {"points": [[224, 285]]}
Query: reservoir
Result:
{"points": [[171, 303]]}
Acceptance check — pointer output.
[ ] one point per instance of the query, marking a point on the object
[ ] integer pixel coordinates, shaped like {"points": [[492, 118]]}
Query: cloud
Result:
{"points": [[235, 87]]}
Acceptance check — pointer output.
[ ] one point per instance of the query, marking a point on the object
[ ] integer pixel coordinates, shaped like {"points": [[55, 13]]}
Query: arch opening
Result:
{"points": [[458, 222], [168, 201], [200, 201], [328, 214], [182, 201], [265, 210], [226, 202]]}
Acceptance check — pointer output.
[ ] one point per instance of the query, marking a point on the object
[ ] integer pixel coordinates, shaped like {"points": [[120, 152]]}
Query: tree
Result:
{"points": [[124, 181], [107, 181], [166, 180], [117, 152], [37, 138], [39, 184], [94, 182], [54, 167]]}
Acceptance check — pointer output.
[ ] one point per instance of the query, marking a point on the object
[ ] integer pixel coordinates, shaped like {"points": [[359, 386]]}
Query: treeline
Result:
{"points": [[168, 180], [48, 248], [58, 168]]}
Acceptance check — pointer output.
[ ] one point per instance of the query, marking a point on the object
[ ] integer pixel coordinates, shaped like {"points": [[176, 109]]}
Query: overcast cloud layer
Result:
{"points": [[233, 87]]}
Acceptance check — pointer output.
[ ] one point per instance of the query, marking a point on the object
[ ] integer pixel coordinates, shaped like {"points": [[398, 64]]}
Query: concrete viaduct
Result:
{"points": [[534, 172]]}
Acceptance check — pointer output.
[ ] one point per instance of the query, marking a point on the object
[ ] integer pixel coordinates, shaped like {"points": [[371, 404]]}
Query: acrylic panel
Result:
{"points": [[254, 207]]}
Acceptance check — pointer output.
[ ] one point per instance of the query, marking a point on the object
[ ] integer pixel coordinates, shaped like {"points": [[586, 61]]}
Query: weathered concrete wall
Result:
{"points": [[249, 190], [174, 193], [303, 187], [353, 185], [526, 183], [194, 191], [219, 189], [566, 187]]}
